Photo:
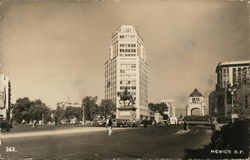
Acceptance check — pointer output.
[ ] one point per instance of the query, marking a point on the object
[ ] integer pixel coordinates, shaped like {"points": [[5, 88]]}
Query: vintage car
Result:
{"points": [[99, 122], [5, 125], [220, 122]]}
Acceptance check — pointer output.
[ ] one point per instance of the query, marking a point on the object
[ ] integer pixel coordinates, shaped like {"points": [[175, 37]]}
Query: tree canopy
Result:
{"points": [[107, 107], [30, 110], [158, 107], [90, 107]]}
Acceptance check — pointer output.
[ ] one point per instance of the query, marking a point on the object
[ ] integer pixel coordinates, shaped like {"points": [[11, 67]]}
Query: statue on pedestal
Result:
{"points": [[126, 96]]}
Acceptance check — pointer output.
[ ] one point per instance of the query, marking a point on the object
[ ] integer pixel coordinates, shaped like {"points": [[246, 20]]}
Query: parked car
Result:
{"points": [[124, 123], [114, 122], [63, 121], [73, 121], [5, 125], [220, 122], [99, 122]]}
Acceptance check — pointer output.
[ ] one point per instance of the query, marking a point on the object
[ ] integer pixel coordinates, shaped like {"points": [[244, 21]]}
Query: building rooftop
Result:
{"points": [[195, 93], [234, 62], [131, 27]]}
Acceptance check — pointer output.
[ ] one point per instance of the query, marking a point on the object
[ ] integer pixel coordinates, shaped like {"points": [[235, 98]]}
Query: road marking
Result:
{"points": [[55, 132]]}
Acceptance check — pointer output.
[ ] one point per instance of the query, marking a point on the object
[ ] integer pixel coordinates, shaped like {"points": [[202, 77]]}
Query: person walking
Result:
{"points": [[23, 122], [35, 124], [110, 123], [134, 123]]}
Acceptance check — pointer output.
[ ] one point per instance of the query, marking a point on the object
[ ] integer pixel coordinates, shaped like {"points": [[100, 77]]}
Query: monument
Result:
{"points": [[196, 101], [127, 109]]}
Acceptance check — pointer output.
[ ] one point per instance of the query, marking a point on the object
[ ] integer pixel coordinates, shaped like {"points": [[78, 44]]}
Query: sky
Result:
{"points": [[53, 50]]}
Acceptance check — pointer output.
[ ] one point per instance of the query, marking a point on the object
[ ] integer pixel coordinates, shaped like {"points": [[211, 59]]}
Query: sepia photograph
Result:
{"points": [[124, 79]]}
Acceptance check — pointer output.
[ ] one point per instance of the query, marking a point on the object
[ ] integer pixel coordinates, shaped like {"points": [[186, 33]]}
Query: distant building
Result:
{"points": [[231, 75], [68, 103], [171, 107], [170, 111], [127, 67], [5, 96], [195, 101]]}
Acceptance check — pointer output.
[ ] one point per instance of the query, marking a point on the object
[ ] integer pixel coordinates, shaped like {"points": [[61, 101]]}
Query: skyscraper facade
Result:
{"points": [[127, 67], [4, 97]]}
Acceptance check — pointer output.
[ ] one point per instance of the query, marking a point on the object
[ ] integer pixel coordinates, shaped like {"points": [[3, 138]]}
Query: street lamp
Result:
{"points": [[232, 90]]}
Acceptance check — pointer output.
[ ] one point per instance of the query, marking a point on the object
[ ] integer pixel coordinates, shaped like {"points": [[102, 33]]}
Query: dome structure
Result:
{"points": [[195, 93]]}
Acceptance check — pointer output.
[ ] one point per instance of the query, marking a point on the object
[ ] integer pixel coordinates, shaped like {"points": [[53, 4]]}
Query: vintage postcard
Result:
{"points": [[124, 79]]}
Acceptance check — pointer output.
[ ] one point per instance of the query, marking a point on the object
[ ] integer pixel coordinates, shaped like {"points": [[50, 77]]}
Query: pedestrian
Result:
{"points": [[185, 125], [35, 124], [134, 123], [145, 123], [110, 123], [23, 122], [106, 123]]}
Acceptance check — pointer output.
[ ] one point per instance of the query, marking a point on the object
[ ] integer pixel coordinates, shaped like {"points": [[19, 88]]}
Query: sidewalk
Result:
{"points": [[73, 130]]}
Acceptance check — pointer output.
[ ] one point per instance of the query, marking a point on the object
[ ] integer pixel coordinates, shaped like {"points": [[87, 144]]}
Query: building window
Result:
{"points": [[234, 76]]}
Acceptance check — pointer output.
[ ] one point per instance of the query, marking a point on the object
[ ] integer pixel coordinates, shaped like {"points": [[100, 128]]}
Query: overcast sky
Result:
{"points": [[55, 50]]}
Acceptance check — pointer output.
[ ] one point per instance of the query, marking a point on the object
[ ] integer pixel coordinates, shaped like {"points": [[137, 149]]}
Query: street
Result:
{"points": [[152, 142]]}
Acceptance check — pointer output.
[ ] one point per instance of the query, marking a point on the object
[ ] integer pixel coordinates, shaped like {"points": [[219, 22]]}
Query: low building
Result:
{"points": [[170, 111]]}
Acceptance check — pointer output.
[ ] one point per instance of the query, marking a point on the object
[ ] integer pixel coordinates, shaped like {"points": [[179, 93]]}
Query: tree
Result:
{"points": [[158, 107], [106, 107], [90, 107], [59, 113], [38, 110], [73, 112], [29, 110], [152, 107], [21, 109]]}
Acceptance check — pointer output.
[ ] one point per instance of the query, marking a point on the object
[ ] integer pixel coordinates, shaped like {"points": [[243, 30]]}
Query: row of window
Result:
{"points": [[127, 82], [128, 65], [127, 36], [127, 50], [126, 30], [128, 87], [128, 55], [127, 45]]}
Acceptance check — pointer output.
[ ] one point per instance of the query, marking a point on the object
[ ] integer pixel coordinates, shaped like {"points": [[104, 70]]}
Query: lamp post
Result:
{"points": [[232, 90]]}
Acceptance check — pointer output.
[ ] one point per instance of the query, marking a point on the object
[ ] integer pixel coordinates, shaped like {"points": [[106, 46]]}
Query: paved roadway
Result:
{"points": [[94, 142]]}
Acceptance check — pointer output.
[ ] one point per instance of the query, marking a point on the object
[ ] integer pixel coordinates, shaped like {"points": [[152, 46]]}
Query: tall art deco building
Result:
{"points": [[127, 67]]}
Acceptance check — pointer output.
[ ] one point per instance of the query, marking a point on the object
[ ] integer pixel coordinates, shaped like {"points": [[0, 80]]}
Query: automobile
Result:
{"points": [[124, 123], [5, 125], [99, 122], [220, 122], [180, 122], [114, 122], [73, 121], [63, 121]]}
